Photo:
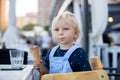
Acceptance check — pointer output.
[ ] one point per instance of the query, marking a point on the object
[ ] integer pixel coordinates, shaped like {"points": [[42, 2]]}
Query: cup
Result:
{"points": [[16, 58]]}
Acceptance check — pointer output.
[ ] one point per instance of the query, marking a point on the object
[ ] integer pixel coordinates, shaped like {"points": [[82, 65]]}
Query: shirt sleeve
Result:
{"points": [[84, 61], [79, 61], [46, 61]]}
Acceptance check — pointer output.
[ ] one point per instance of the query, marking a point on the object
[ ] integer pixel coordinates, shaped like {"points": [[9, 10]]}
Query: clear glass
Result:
{"points": [[16, 58]]}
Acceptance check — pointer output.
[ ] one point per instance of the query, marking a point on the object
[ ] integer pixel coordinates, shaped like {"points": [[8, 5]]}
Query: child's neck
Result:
{"points": [[64, 47]]}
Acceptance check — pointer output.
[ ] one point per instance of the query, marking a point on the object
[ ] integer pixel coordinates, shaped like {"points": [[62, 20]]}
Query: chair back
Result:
{"points": [[85, 75], [95, 63]]}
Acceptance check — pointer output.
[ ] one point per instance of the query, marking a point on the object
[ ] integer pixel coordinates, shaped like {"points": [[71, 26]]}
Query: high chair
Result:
{"points": [[97, 73]]}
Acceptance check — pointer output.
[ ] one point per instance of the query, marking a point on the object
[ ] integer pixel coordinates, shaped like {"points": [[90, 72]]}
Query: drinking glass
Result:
{"points": [[16, 58]]}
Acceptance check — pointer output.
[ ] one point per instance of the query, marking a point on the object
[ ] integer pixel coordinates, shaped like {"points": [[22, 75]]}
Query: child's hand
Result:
{"points": [[37, 64]]}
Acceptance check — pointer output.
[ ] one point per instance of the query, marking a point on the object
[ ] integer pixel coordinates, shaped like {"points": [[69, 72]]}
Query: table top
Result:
{"points": [[24, 74]]}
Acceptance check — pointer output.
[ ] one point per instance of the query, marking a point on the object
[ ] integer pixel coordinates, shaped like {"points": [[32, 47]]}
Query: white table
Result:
{"points": [[25, 74]]}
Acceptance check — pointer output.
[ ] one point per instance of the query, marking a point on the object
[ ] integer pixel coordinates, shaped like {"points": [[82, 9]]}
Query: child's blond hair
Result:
{"points": [[69, 19]]}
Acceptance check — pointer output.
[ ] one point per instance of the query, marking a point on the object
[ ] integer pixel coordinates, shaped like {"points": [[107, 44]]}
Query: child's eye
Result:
{"points": [[66, 28], [56, 29]]}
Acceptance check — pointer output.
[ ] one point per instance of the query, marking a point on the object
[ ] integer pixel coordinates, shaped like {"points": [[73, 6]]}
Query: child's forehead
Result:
{"points": [[62, 24]]}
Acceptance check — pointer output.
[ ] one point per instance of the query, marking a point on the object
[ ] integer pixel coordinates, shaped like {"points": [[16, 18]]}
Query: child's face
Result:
{"points": [[64, 34]]}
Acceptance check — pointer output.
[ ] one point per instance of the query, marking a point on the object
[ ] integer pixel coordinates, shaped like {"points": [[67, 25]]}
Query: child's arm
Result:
{"points": [[41, 68]]}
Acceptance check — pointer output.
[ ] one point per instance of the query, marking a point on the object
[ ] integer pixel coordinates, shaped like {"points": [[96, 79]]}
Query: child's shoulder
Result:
{"points": [[80, 50]]}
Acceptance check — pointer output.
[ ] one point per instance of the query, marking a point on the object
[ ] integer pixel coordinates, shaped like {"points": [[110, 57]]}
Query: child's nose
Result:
{"points": [[60, 31]]}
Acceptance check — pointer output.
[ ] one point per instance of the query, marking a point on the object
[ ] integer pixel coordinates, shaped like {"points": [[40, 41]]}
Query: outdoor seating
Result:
{"points": [[111, 63], [116, 74]]}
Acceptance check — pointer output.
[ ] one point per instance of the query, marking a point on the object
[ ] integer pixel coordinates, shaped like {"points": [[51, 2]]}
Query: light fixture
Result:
{"points": [[110, 19]]}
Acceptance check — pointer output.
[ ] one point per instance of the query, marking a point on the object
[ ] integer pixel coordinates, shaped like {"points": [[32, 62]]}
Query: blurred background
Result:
{"points": [[32, 19]]}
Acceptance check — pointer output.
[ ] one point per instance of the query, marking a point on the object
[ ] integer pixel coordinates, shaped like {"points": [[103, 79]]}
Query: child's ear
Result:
{"points": [[76, 35]]}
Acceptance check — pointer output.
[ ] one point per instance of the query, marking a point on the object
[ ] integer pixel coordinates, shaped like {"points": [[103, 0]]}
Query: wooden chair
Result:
{"points": [[111, 75], [97, 73]]}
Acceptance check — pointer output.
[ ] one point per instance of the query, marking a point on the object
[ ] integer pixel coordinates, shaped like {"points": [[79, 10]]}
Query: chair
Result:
{"points": [[111, 63], [114, 69], [112, 76], [5, 57], [115, 52], [116, 74], [96, 64], [96, 74]]}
